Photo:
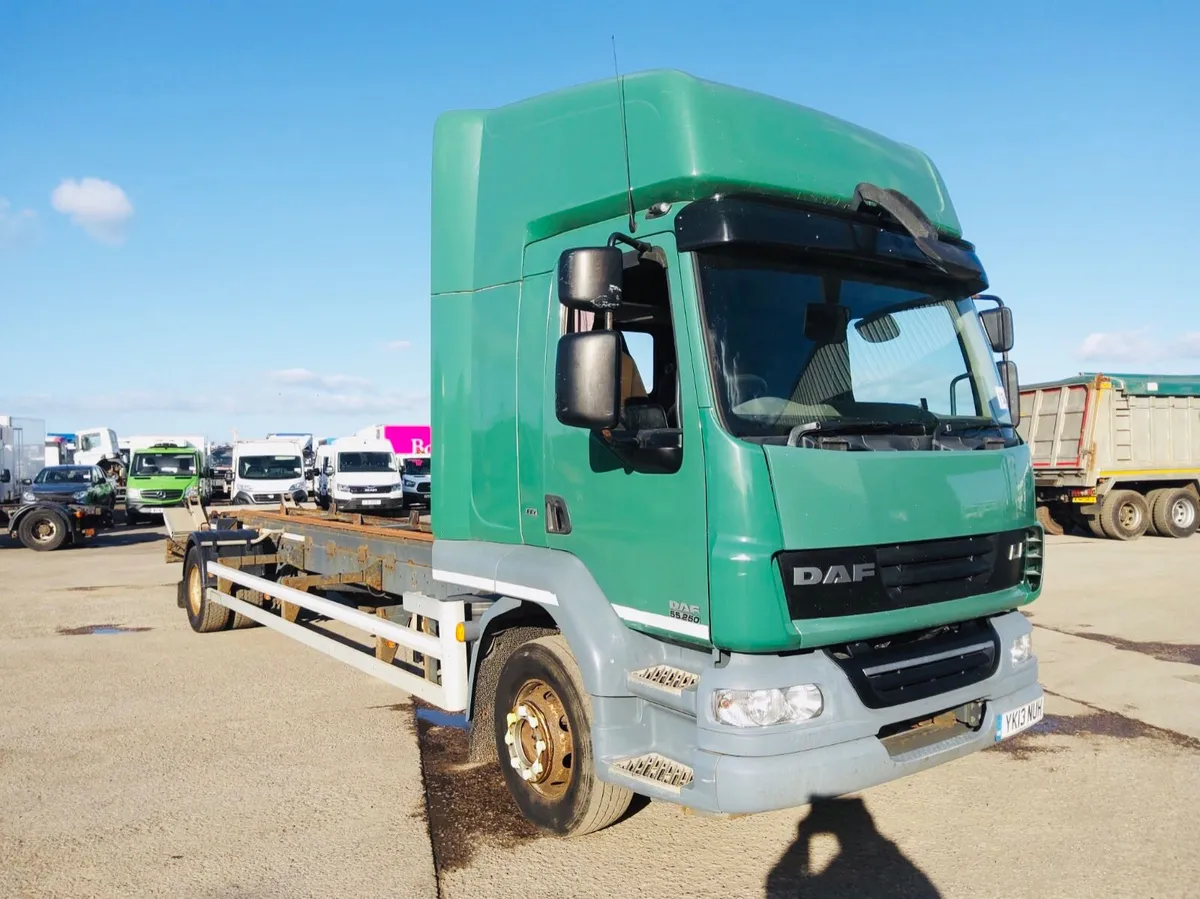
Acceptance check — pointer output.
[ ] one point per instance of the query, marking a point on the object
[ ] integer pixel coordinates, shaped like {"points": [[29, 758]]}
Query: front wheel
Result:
{"points": [[543, 727], [43, 530]]}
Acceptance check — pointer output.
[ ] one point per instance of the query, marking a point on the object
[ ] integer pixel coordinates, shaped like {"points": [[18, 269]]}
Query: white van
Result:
{"points": [[361, 475], [265, 471], [415, 471]]}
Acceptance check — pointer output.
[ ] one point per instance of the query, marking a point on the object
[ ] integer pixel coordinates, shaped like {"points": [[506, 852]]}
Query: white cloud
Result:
{"points": [[1188, 346], [397, 345], [1117, 346], [100, 207], [15, 224], [303, 377]]}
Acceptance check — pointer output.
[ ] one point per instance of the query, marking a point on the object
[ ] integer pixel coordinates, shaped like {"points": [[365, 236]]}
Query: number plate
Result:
{"points": [[372, 502], [1019, 719]]}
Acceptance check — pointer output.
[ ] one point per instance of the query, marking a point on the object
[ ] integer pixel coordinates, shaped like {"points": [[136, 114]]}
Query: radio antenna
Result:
{"points": [[624, 137]]}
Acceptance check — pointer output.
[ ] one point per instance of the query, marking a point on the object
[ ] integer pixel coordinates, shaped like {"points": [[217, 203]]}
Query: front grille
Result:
{"points": [[893, 670], [265, 497], [370, 488], [423, 488], [856, 580], [162, 494]]}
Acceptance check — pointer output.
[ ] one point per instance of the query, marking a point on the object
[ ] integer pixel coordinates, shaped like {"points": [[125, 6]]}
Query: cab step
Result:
{"points": [[666, 685], [656, 769]]}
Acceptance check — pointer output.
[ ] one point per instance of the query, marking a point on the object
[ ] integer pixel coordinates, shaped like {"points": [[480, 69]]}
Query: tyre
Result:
{"points": [[543, 729], [203, 615], [1174, 511], [1093, 525], [1125, 515], [1049, 525], [43, 530]]}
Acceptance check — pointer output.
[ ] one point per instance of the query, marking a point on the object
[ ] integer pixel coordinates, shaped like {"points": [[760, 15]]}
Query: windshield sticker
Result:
{"points": [[1001, 398]]}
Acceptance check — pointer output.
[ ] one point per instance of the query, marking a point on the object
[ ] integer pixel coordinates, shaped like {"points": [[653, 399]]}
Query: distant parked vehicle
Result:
{"points": [[1118, 455], [265, 472], [416, 480], [63, 504]]}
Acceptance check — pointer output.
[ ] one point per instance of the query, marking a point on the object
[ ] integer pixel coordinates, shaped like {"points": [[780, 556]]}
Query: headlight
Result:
{"points": [[409, 482], [1021, 649], [763, 708], [133, 493], [79, 495], [394, 487], [298, 486], [192, 492], [28, 497]]}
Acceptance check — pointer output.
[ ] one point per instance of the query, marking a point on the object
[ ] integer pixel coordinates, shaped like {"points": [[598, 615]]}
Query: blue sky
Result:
{"points": [[253, 252]]}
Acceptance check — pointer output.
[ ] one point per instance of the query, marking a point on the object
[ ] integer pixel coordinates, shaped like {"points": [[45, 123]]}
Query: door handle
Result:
{"points": [[558, 519]]}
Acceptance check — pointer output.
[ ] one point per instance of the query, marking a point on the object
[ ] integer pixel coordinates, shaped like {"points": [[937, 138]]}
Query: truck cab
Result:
{"points": [[99, 446], [265, 472], [808, 494], [162, 475], [360, 474]]}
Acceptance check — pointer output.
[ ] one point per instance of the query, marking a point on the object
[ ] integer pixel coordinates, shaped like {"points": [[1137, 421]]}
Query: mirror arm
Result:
{"points": [[641, 246]]}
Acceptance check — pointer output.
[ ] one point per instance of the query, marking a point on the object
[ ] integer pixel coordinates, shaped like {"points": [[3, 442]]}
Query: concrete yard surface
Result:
{"points": [[138, 758]]}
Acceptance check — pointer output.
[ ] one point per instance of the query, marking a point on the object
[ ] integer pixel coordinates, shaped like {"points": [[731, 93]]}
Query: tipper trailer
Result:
{"points": [[1118, 454], [784, 559]]}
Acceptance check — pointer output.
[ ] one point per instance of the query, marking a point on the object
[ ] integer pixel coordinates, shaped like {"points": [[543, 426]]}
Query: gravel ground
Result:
{"points": [[142, 760]]}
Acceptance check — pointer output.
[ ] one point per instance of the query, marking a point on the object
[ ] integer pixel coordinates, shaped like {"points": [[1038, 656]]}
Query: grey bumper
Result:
{"points": [[748, 770], [368, 503]]}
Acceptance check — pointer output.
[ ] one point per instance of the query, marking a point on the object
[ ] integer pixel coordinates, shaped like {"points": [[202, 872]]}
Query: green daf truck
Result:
{"points": [[161, 475], [732, 509]]}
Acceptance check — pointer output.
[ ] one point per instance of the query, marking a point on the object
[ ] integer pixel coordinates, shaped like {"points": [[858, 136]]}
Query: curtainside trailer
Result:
{"points": [[1118, 455], [731, 509]]}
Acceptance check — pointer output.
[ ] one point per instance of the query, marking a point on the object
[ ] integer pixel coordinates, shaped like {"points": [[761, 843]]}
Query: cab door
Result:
{"points": [[641, 532]]}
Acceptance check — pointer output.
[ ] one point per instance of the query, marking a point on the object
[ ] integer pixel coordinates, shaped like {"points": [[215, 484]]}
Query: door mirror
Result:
{"points": [[587, 379], [26, 481], [5, 476], [1012, 389], [229, 477], [589, 278], [998, 324]]}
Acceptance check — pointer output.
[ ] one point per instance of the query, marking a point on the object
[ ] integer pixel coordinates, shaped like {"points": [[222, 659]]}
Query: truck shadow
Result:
{"points": [[125, 538], [867, 863]]}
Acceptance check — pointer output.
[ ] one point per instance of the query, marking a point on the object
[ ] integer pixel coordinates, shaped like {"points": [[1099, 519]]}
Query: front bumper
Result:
{"points": [[368, 503], [748, 784], [750, 770]]}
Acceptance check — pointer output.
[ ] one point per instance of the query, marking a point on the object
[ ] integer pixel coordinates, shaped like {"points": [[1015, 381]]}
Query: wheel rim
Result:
{"points": [[194, 589], [1183, 513], [1129, 516], [44, 530], [538, 736]]}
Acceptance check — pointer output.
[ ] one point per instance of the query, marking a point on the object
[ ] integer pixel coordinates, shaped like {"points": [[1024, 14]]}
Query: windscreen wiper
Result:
{"points": [[866, 426], [945, 257]]}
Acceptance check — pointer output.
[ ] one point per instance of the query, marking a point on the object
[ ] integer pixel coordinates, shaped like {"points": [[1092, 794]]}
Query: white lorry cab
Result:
{"points": [[100, 447], [267, 471], [360, 474], [415, 478]]}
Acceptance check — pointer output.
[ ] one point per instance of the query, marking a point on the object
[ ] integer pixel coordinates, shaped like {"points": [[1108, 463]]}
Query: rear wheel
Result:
{"points": [[1125, 515], [543, 721], [43, 530], [1048, 523], [204, 615], [1174, 511]]}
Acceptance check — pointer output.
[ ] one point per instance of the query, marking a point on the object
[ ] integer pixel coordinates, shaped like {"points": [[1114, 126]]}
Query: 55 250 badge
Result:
{"points": [[685, 612]]}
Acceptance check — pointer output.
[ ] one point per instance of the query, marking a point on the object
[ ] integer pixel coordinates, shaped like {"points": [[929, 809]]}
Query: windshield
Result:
{"points": [[364, 462], [269, 468], [791, 346], [221, 458], [150, 464], [416, 466], [64, 475]]}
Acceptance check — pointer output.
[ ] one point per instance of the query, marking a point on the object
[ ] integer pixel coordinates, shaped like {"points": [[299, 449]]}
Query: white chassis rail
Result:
{"points": [[448, 646]]}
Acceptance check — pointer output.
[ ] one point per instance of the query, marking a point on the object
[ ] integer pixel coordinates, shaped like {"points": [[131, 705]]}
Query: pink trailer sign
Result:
{"points": [[408, 439]]}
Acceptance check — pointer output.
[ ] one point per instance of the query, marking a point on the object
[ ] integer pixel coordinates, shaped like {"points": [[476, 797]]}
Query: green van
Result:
{"points": [[161, 476]]}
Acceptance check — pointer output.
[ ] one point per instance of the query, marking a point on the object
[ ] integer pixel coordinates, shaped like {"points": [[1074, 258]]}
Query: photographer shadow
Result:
{"points": [[867, 863]]}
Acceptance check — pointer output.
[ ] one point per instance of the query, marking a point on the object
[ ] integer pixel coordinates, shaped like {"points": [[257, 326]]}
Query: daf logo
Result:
{"points": [[834, 574]]}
